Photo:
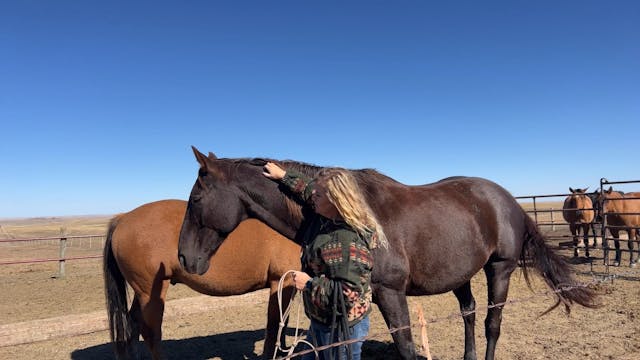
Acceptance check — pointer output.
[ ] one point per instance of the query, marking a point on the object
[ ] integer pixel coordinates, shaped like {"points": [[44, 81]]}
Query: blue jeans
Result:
{"points": [[322, 334]]}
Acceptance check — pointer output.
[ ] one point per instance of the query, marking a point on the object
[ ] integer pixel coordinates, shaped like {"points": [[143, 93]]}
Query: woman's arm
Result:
{"points": [[298, 183]]}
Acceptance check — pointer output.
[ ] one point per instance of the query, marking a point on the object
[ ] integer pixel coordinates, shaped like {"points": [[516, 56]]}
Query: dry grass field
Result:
{"points": [[234, 328]]}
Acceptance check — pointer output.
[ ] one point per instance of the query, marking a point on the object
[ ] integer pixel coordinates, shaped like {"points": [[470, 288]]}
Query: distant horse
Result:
{"points": [[440, 235], [622, 213], [578, 212], [142, 249]]}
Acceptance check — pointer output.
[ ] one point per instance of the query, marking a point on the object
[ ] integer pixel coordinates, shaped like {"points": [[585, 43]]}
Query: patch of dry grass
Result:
{"points": [[52, 226]]}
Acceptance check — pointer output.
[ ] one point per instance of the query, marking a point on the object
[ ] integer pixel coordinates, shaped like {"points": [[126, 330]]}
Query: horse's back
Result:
{"points": [[149, 230], [458, 224]]}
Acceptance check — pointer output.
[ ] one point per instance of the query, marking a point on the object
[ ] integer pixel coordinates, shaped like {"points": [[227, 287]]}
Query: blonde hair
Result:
{"points": [[344, 193]]}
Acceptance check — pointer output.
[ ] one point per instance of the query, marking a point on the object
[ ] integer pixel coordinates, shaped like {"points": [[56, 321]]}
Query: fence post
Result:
{"points": [[63, 248], [553, 223]]}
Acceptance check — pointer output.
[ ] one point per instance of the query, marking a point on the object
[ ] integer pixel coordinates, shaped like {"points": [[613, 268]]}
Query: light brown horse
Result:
{"points": [[142, 249], [622, 213], [578, 212]]}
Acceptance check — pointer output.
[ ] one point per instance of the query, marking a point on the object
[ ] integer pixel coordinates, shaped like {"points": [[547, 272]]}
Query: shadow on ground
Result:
{"points": [[228, 346], [234, 345]]}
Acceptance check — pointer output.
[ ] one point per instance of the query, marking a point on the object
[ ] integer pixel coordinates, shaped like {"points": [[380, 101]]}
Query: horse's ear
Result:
{"points": [[207, 163], [584, 190], [608, 191], [202, 160], [572, 191]]}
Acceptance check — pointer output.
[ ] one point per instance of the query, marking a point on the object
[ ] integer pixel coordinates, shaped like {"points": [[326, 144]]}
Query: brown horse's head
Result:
{"points": [[226, 192], [604, 201], [578, 207]]}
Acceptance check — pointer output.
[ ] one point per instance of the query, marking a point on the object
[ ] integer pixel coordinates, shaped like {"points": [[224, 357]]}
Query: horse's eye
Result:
{"points": [[196, 198]]}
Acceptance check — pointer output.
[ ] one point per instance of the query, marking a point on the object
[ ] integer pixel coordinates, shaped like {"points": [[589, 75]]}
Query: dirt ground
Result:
{"points": [[235, 330]]}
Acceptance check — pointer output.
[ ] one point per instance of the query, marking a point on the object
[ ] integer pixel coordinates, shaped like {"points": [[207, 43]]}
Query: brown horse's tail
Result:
{"points": [[555, 271], [120, 322]]}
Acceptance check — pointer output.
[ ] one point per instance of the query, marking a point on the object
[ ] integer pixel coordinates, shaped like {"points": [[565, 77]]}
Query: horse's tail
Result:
{"points": [[555, 271], [120, 323]]}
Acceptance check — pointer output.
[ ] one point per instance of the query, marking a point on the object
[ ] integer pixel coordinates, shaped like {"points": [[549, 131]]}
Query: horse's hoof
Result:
{"points": [[616, 263], [633, 264]]}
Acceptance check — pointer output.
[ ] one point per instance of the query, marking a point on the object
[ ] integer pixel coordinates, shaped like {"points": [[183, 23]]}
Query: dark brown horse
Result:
{"points": [[440, 235], [621, 213], [142, 249], [578, 212]]}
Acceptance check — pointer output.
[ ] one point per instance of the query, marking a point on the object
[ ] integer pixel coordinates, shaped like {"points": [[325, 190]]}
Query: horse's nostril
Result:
{"points": [[183, 261]]}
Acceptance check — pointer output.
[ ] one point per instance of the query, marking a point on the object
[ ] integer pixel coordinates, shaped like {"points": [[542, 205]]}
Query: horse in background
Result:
{"points": [[579, 213], [621, 212], [141, 249]]}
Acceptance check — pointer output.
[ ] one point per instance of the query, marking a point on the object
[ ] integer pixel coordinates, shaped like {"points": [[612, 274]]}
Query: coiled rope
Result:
{"points": [[284, 316]]}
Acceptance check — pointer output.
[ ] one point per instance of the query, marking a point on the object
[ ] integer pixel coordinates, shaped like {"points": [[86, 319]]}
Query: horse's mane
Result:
{"points": [[365, 177]]}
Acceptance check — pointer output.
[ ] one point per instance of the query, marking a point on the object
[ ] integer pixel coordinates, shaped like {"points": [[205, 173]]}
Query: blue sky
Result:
{"points": [[100, 102]]}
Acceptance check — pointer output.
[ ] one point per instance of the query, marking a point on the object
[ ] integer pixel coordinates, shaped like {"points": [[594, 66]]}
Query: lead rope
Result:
{"points": [[284, 315]]}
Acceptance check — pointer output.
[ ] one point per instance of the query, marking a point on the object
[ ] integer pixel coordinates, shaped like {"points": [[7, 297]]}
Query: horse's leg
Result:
{"points": [[574, 233], [616, 242], [467, 308], [498, 275], [136, 318], [585, 236], [632, 238], [395, 311], [273, 319], [152, 310]]}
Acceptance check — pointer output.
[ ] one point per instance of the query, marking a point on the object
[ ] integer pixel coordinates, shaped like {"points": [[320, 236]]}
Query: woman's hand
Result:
{"points": [[273, 171], [300, 279]]}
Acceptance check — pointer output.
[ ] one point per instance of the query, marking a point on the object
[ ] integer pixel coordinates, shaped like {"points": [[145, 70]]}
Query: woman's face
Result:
{"points": [[321, 202]]}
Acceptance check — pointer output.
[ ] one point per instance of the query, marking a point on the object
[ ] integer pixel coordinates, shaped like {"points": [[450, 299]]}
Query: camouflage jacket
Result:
{"points": [[337, 258]]}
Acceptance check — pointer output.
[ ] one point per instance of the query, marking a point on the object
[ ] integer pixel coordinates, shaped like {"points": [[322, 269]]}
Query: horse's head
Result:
{"points": [[214, 210], [604, 200], [226, 192], [579, 204]]}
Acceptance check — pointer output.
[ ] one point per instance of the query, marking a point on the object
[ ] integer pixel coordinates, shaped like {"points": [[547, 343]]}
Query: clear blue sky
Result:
{"points": [[101, 101]]}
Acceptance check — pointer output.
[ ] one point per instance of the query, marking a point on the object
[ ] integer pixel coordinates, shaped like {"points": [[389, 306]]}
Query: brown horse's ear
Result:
{"points": [[212, 156], [572, 191], [608, 191], [584, 190]]}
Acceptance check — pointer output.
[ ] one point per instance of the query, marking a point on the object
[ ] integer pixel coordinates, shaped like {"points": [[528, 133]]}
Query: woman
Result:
{"points": [[336, 260]]}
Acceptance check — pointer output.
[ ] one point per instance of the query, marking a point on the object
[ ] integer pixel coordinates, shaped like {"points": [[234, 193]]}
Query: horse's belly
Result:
{"points": [[451, 268], [219, 283], [438, 281]]}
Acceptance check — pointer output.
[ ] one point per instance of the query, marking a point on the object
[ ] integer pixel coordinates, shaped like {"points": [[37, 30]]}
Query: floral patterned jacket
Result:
{"points": [[337, 258]]}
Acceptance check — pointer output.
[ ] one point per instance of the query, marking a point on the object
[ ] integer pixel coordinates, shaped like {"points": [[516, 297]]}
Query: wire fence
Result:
{"points": [[80, 246], [597, 281]]}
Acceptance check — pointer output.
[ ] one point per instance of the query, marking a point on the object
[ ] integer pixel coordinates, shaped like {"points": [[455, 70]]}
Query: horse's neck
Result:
{"points": [[615, 204], [270, 207]]}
